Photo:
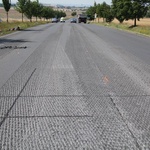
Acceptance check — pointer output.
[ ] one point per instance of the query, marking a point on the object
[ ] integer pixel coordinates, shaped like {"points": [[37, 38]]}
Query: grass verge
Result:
{"points": [[7, 28], [139, 29]]}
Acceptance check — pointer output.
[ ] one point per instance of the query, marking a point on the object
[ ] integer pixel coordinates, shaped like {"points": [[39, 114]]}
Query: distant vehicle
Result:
{"points": [[54, 20], [73, 20], [62, 19], [82, 18]]}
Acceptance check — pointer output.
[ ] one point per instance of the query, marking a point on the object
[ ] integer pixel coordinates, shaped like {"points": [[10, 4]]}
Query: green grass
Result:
{"points": [[139, 29], [6, 28]]}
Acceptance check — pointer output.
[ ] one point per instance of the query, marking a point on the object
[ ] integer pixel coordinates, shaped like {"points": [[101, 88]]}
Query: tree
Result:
{"points": [[109, 15], [105, 12], [148, 12], [21, 7], [63, 14], [47, 13], [73, 13], [7, 6], [99, 11], [29, 10], [121, 9], [59, 14], [130, 9], [40, 10], [139, 9], [36, 9], [91, 12]]}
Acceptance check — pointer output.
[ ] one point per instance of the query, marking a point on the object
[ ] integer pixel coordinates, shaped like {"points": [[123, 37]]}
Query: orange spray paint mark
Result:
{"points": [[105, 79]]}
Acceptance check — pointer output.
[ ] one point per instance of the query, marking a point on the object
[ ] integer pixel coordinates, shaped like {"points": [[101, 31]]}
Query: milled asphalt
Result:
{"points": [[74, 88]]}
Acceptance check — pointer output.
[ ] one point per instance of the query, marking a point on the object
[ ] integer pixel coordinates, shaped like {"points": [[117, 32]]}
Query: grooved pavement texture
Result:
{"points": [[74, 92]]}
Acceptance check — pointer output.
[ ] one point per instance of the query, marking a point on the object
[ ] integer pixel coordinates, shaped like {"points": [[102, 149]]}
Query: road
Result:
{"points": [[70, 86]]}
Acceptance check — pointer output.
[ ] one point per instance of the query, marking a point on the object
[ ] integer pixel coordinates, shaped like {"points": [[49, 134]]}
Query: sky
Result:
{"points": [[70, 2]]}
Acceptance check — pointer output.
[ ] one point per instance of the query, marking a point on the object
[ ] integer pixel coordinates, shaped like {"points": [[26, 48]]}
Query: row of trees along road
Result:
{"points": [[33, 9], [121, 10]]}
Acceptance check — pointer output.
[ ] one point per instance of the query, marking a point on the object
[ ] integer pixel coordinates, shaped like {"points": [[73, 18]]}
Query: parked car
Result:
{"points": [[54, 20], [73, 20]]}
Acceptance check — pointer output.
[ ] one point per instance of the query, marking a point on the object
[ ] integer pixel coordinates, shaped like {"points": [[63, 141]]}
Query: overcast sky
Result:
{"points": [[69, 2]]}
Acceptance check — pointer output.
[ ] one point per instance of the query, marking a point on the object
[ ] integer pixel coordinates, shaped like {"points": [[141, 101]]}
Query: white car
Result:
{"points": [[54, 20], [62, 19]]}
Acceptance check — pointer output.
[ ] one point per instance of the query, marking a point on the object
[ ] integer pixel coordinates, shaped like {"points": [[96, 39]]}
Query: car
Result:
{"points": [[54, 20], [62, 19], [82, 18], [73, 20]]}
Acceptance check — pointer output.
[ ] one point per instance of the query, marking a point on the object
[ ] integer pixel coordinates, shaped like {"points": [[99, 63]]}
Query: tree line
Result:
{"points": [[32, 9], [121, 10]]}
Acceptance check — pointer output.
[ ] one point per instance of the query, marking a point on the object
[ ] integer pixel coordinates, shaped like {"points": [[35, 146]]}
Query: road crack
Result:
{"points": [[6, 115], [132, 135]]}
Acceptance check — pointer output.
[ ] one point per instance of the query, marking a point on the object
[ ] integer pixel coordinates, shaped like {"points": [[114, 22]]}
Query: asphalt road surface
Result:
{"points": [[70, 86]]}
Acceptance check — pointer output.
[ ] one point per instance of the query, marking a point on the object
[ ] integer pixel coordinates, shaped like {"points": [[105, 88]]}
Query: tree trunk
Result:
{"points": [[135, 22], [7, 16], [22, 17], [31, 19]]}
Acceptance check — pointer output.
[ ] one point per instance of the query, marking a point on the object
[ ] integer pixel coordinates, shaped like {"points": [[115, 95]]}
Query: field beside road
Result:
{"points": [[14, 15], [15, 21], [142, 22], [143, 26]]}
